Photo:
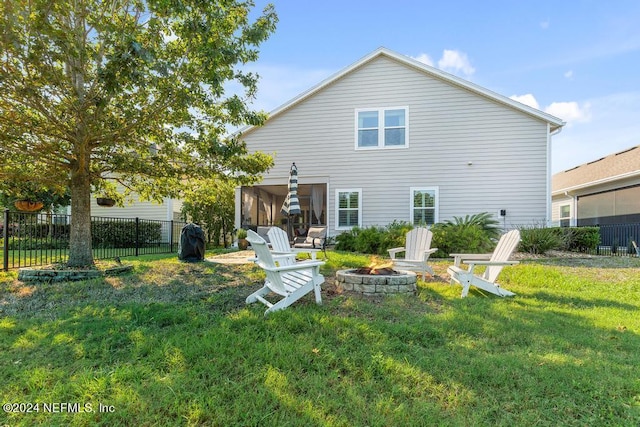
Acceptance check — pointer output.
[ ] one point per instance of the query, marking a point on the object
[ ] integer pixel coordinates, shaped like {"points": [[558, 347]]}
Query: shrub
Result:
{"points": [[365, 240], [582, 239], [373, 240], [122, 234], [370, 240], [346, 241], [489, 226], [539, 240], [26, 244], [471, 234], [578, 239], [396, 235], [105, 234], [41, 231], [459, 238]]}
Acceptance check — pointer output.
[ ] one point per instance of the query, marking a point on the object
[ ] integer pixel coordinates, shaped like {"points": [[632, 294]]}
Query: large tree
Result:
{"points": [[95, 92]]}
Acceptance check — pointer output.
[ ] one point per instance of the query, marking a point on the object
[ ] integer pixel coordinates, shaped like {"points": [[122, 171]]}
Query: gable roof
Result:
{"points": [[554, 122], [623, 164]]}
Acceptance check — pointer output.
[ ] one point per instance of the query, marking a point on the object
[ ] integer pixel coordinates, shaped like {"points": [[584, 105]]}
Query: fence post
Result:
{"points": [[5, 236], [171, 236], [137, 235]]}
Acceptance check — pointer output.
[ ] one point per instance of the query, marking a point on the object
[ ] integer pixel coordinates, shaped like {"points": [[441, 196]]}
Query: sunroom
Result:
{"points": [[259, 207]]}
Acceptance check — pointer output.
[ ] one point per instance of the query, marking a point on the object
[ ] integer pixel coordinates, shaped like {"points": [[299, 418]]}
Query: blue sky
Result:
{"points": [[578, 60]]}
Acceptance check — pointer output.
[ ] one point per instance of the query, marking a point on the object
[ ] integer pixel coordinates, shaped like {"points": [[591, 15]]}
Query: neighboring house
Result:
{"points": [[390, 138], [604, 191], [168, 210]]}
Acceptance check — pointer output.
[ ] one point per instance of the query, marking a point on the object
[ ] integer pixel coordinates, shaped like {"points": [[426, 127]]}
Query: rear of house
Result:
{"points": [[391, 139]]}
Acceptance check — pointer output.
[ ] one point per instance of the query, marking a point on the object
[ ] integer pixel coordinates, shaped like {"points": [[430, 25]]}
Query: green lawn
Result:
{"points": [[174, 344]]}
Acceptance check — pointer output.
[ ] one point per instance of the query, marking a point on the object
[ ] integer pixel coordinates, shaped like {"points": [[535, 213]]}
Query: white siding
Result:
{"points": [[136, 208], [557, 202], [139, 209], [449, 127]]}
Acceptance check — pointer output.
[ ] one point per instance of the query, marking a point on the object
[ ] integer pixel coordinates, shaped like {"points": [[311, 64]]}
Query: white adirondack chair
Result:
{"points": [[416, 252], [280, 244], [494, 263], [290, 281]]}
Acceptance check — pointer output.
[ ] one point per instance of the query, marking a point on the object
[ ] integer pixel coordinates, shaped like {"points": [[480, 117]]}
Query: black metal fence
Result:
{"points": [[618, 240], [33, 239]]}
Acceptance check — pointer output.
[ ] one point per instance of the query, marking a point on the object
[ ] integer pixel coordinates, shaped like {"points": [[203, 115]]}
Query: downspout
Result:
{"points": [[549, 135]]}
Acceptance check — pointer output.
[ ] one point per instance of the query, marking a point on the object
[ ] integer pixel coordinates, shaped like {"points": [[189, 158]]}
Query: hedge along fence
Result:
{"points": [[112, 233], [538, 240], [33, 239], [125, 234]]}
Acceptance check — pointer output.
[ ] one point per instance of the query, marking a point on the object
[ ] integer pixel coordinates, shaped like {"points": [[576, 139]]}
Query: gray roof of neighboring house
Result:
{"points": [[623, 164]]}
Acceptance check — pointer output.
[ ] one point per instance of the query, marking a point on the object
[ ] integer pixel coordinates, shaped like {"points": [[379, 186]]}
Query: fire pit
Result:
{"points": [[375, 281]]}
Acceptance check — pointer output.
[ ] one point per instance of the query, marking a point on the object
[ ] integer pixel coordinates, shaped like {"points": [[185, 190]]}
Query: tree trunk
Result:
{"points": [[80, 253]]}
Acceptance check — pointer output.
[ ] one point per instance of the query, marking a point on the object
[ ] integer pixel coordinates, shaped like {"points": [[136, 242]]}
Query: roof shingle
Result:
{"points": [[620, 163]]}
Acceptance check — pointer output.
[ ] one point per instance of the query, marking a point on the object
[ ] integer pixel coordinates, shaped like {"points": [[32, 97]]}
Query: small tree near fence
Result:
{"points": [[210, 203]]}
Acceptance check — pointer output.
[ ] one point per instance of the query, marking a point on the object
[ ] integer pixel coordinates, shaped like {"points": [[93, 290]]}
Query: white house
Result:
{"points": [[390, 138], [168, 210], [134, 207], [603, 191]]}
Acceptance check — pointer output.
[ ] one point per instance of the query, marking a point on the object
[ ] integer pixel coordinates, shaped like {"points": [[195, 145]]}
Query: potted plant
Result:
{"points": [[243, 244], [105, 201], [31, 196], [26, 205]]}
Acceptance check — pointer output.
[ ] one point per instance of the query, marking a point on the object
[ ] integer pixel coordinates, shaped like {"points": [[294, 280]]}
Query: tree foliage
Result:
{"points": [[126, 91], [484, 220], [210, 203]]}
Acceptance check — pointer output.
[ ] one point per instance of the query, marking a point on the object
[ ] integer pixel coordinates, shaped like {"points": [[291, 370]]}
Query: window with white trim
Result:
{"points": [[565, 215], [382, 128], [348, 208], [424, 205]]}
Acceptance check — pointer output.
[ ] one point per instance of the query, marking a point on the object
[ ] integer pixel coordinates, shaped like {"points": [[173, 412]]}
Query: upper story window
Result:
{"points": [[382, 128]]}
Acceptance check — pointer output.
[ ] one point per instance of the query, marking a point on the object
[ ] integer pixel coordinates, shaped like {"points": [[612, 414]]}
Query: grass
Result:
{"points": [[174, 344], [38, 257]]}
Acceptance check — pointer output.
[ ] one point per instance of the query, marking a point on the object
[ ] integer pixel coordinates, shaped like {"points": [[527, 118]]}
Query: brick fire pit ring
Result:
{"points": [[373, 284]]}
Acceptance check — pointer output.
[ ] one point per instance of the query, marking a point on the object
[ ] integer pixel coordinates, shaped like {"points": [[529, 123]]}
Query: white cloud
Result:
{"points": [[454, 61], [527, 99], [424, 58], [613, 127], [570, 112], [569, 74]]}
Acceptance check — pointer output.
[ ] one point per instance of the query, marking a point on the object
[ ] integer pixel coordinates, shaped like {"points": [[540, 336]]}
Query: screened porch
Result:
{"points": [[260, 206]]}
